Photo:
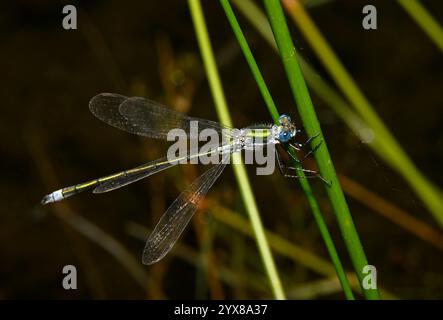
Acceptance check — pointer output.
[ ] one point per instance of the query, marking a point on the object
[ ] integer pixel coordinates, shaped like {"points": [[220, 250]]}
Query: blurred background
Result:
{"points": [[49, 140]]}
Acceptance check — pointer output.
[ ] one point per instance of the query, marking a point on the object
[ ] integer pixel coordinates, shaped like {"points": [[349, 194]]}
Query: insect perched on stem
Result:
{"points": [[147, 118]]}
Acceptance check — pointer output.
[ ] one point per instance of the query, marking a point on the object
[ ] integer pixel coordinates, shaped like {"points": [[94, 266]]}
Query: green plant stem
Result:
{"points": [[239, 170], [429, 193], [300, 91], [424, 19], [343, 109], [321, 87], [275, 115], [285, 248], [317, 84]]}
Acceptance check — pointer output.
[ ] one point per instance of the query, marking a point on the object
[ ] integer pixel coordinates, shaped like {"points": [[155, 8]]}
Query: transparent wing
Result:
{"points": [[178, 215], [147, 118]]}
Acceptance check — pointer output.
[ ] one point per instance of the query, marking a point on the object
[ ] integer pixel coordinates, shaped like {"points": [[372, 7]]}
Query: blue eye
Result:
{"points": [[284, 136]]}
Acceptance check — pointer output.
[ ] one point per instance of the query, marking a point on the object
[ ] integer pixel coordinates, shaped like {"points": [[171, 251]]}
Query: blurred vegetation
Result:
{"points": [[49, 140]]}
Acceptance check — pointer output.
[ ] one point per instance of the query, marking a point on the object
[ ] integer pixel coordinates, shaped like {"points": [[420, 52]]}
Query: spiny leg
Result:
{"points": [[284, 170], [307, 142], [315, 174], [300, 146]]}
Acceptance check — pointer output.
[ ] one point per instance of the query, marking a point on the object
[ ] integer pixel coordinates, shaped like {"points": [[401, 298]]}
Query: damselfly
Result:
{"points": [[147, 118]]}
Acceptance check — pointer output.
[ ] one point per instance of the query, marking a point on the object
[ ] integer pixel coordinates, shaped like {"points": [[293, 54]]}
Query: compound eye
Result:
{"points": [[284, 136]]}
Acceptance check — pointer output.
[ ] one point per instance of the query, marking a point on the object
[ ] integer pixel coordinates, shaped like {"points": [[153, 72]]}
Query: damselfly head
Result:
{"points": [[287, 129]]}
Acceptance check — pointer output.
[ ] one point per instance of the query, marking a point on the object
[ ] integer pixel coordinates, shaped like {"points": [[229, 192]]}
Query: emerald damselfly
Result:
{"points": [[147, 118]]}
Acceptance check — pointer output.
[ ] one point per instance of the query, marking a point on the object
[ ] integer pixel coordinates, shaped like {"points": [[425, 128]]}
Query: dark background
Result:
{"points": [[49, 139]]}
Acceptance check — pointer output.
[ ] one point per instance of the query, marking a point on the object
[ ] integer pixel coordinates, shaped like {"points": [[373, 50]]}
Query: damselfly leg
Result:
{"points": [[302, 146], [293, 172]]}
